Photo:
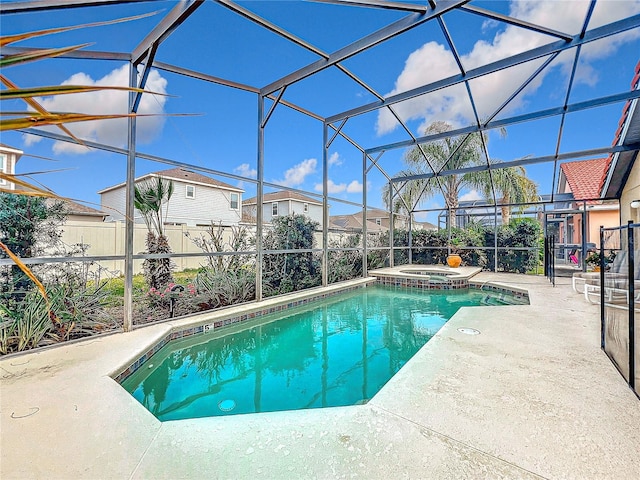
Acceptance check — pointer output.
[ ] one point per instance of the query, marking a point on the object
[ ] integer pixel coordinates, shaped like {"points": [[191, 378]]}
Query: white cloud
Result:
{"points": [[433, 61], [110, 132], [354, 187], [489, 24], [334, 159], [297, 174], [245, 170], [470, 196], [332, 187]]}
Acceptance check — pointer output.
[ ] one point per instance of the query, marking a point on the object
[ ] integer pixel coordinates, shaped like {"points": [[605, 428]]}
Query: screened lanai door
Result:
{"points": [[568, 230]]}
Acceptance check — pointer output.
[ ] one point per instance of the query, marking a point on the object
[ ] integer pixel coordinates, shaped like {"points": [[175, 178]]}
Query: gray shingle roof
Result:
{"points": [[282, 195]]}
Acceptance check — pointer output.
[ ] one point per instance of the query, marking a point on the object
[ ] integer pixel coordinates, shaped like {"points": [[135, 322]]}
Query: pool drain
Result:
{"points": [[469, 331], [226, 405]]}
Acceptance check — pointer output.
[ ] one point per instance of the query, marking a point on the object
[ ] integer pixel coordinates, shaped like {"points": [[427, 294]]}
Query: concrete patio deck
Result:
{"points": [[532, 396]]}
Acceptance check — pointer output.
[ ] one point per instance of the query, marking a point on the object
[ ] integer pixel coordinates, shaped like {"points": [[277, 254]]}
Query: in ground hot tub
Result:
{"points": [[426, 276], [433, 275]]}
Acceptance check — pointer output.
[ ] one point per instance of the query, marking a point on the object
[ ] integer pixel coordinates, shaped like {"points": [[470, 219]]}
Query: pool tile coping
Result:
{"points": [[226, 318]]}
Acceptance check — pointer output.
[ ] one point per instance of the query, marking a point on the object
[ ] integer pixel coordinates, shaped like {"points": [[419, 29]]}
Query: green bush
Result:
{"points": [[288, 272], [217, 288], [345, 265], [475, 244], [28, 323], [519, 233]]}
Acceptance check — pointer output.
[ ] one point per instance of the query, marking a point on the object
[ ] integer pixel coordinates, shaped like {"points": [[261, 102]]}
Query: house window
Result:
{"points": [[190, 191], [3, 168], [305, 208], [274, 209], [235, 200], [378, 221]]}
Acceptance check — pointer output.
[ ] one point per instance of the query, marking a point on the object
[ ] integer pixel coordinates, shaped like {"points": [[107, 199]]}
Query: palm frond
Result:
{"points": [[40, 120], [25, 93], [9, 39], [36, 106], [29, 189], [37, 54]]}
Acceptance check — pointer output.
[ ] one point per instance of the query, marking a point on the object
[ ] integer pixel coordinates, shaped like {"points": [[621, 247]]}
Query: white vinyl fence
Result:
{"points": [[108, 238]]}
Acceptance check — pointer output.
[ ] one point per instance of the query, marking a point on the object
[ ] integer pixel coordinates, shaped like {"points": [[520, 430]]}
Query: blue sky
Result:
{"points": [[223, 136]]}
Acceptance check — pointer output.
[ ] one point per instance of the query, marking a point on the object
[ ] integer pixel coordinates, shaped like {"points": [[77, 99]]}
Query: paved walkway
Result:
{"points": [[532, 396]]}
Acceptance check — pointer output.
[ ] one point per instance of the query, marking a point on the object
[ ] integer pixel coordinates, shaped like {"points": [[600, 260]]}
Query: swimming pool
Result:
{"points": [[335, 352]]}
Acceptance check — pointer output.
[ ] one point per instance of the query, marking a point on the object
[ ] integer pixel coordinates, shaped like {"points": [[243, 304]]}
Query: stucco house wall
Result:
{"points": [[597, 218], [630, 193]]}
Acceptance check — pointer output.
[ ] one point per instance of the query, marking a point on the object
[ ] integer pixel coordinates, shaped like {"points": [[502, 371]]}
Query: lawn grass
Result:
{"points": [[115, 286]]}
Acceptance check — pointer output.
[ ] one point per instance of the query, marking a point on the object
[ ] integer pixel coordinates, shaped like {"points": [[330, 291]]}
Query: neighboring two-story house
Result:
{"points": [[196, 200], [9, 156], [377, 221], [381, 217], [76, 212], [282, 203], [353, 224]]}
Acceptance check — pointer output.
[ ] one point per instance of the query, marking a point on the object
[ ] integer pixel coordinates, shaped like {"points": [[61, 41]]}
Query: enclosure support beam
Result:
{"points": [[583, 234], [495, 238], [129, 210], [379, 4], [335, 134], [325, 207], [559, 46], [410, 238], [514, 21], [259, 198], [521, 87], [407, 23], [391, 255], [273, 107], [145, 75], [526, 161], [178, 14], [365, 266], [540, 114]]}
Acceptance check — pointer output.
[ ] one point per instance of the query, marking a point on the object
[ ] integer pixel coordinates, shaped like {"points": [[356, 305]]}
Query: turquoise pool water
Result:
{"points": [[332, 353]]}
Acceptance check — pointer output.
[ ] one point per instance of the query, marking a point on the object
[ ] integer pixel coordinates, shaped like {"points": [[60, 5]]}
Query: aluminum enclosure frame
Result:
{"points": [[143, 56]]}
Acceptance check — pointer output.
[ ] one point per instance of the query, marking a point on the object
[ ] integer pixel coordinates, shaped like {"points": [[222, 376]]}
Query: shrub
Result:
{"points": [[519, 233], [221, 288], [288, 272], [377, 258], [212, 240], [28, 323], [28, 226], [345, 265]]}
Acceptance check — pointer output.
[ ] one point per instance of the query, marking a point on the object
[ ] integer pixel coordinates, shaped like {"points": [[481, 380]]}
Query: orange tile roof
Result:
{"points": [[584, 177], [635, 83]]}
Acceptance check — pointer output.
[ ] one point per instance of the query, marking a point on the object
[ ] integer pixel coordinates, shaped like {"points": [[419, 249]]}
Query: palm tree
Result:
{"points": [[450, 153], [150, 197], [456, 153], [510, 183]]}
